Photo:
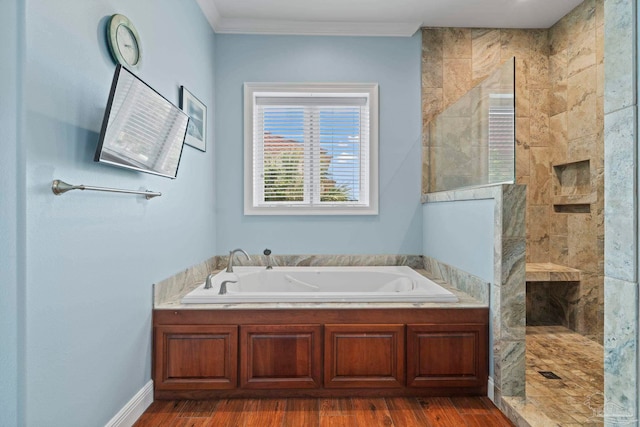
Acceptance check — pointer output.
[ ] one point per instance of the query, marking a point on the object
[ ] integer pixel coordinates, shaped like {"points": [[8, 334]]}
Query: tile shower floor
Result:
{"points": [[576, 398]]}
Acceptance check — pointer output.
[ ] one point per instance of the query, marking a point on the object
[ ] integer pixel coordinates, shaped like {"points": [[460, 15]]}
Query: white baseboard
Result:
{"points": [[130, 413], [490, 389]]}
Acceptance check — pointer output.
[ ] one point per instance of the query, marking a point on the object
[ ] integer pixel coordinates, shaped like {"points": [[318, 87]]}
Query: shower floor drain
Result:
{"points": [[549, 375]]}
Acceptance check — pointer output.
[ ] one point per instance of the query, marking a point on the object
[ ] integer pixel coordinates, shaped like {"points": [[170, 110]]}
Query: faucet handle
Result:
{"points": [[267, 252], [223, 286], [208, 283]]}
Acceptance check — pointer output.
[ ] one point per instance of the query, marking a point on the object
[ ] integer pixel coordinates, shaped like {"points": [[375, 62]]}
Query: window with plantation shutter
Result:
{"points": [[311, 149]]}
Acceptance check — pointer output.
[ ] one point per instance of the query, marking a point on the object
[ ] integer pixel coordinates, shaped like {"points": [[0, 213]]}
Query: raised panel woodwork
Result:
{"points": [[280, 356], [447, 355], [362, 356], [195, 357], [362, 352]]}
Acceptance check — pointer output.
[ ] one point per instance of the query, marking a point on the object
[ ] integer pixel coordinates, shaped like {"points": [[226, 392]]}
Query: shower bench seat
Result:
{"points": [[202, 354], [549, 272]]}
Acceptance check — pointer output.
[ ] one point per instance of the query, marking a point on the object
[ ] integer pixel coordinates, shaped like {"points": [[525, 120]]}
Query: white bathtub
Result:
{"points": [[321, 284]]}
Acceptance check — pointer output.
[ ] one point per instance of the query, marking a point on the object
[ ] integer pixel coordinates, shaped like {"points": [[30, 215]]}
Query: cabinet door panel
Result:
{"points": [[280, 356], [364, 356], [447, 355], [195, 357]]}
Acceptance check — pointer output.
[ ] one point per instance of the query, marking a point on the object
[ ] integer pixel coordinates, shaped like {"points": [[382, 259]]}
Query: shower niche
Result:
{"points": [[572, 187]]}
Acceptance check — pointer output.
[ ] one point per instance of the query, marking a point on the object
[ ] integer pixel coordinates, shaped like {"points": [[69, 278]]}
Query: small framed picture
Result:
{"points": [[197, 112]]}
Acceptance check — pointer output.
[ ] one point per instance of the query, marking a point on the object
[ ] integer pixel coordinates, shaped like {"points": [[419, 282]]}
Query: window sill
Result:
{"points": [[350, 211]]}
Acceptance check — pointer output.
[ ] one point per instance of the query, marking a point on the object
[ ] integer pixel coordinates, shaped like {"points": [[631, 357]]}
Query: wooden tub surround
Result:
{"points": [[342, 352]]}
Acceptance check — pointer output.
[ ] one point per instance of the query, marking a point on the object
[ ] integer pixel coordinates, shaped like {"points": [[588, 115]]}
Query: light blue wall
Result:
{"points": [[461, 234], [91, 258], [11, 231], [394, 63]]}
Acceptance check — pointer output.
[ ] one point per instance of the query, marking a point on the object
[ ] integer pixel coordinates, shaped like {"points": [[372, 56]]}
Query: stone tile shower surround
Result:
{"points": [[621, 212], [559, 121]]}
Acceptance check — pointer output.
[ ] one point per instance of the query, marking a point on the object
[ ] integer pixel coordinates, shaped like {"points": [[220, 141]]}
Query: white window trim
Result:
{"points": [[370, 88]]}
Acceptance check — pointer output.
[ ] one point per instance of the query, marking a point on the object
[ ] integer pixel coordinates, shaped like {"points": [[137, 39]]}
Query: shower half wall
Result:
{"points": [[559, 144]]}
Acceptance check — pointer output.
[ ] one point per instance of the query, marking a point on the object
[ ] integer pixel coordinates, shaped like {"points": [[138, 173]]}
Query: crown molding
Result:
{"points": [[479, 14], [315, 28], [307, 28], [210, 11]]}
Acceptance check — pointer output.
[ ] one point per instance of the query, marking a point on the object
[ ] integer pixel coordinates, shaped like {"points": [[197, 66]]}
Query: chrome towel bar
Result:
{"points": [[60, 187]]}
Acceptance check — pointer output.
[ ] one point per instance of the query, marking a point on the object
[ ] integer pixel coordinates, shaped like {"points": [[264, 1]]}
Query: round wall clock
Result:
{"points": [[124, 41]]}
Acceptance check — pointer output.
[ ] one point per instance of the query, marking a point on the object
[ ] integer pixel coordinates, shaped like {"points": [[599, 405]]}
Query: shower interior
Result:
{"points": [[559, 122]]}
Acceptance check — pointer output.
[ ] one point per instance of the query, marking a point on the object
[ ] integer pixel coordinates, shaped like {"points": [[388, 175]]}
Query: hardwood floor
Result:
{"points": [[339, 412]]}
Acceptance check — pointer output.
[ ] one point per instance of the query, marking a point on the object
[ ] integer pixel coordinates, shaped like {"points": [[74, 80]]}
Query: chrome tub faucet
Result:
{"points": [[230, 261]]}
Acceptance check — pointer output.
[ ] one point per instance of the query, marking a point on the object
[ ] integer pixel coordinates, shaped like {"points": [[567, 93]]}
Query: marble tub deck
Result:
{"points": [[169, 299]]}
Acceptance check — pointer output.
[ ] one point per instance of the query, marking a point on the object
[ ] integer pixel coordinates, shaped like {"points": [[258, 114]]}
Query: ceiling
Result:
{"points": [[377, 17]]}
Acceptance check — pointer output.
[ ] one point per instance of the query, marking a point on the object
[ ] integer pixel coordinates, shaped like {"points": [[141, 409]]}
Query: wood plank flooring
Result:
{"points": [[338, 412]]}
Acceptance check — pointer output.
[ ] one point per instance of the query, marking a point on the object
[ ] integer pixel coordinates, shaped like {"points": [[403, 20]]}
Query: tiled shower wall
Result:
{"points": [[559, 119], [576, 130], [621, 213]]}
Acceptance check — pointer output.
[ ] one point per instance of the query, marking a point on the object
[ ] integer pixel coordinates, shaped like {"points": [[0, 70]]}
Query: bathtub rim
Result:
{"points": [[440, 295]]}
